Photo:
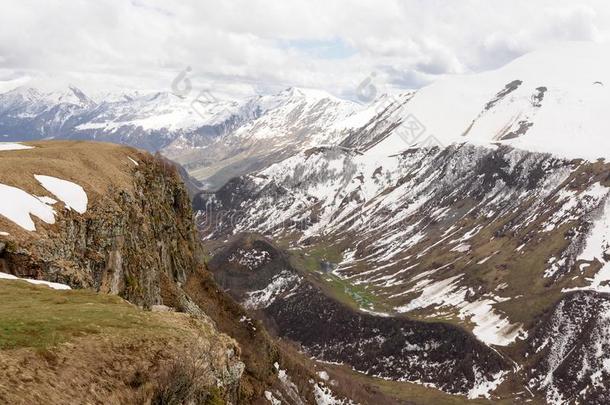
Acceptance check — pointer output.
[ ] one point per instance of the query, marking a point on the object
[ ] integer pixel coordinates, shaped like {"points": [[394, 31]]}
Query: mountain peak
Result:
{"points": [[68, 95], [306, 93]]}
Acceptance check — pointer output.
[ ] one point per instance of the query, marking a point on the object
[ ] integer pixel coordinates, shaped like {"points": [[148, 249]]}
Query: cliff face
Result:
{"points": [[113, 222], [138, 229]]}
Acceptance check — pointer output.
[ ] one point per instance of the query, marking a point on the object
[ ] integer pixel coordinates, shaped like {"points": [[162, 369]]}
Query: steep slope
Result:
{"points": [[284, 123], [548, 101], [468, 203], [108, 220], [107, 245]]}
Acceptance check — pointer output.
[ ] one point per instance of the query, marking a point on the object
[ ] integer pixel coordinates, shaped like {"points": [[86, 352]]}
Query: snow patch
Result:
{"points": [[323, 375], [271, 398], [484, 387], [17, 205], [55, 286], [284, 282], [324, 396], [70, 193], [250, 258], [490, 327], [13, 146]]}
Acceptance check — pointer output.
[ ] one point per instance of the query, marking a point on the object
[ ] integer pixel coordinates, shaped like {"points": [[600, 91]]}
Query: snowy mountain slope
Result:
{"points": [[418, 203], [549, 101], [205, 134], [478, 201], [486, 239], [284, 124], [150, 121]]}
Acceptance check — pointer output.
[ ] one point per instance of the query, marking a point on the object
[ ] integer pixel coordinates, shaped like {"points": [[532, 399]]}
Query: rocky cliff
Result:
{"points": [[117, 222], [115, 225], [137, 228]]}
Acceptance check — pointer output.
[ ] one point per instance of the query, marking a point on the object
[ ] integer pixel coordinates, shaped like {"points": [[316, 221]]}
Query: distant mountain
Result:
{"points": [[150, 121], [278, 126], [212, 138], [548, 101]]}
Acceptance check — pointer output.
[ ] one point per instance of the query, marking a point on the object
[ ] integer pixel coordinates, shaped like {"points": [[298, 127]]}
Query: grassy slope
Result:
{"points": [[70, 346], [39, 317]]}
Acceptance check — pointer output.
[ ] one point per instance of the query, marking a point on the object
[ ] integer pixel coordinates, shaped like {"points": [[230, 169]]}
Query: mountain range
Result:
{"points": [[456, 237]]}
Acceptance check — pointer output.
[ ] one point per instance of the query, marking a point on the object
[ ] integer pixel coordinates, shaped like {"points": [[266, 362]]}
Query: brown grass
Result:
{"points": [[64, 347], [95, 166]]}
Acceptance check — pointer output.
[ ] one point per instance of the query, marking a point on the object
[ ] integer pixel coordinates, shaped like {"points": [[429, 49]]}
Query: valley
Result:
{"points": [[445, 245]]}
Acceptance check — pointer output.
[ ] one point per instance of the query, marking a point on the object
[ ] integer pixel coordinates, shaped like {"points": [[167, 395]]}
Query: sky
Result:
{"points": [[243, 47]]}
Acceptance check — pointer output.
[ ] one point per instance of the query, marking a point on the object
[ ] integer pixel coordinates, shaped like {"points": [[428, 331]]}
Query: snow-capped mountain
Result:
{"points": [[281, 125], [549, 101], [480, 201], [151, 120], [199, 131]]}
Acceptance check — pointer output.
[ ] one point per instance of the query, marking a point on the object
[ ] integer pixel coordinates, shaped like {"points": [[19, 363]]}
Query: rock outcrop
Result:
{"points": [[134, 230], [135, 239]]}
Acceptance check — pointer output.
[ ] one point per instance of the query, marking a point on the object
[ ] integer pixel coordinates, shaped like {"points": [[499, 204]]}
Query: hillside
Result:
{"points": [[466, 204], [78, 346], [96, 222]]}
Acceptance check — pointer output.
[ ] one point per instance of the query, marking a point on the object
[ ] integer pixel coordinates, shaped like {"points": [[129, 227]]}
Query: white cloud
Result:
{"points": [[244, 46]]}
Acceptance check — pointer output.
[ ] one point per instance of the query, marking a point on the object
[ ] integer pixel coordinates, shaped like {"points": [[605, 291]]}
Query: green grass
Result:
{"points": [[39, 317], [355, 293], [355, 296]]}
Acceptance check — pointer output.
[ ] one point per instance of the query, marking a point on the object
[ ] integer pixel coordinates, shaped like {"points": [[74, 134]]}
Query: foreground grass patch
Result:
{"points": [[39, 317]]}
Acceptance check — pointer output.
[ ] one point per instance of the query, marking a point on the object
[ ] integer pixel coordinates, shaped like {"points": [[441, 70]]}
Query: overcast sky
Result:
{"points": [[258, 46]]}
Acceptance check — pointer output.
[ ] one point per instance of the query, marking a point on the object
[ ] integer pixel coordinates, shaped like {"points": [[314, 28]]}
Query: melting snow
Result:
{"points": [[281, 283], [323, 375], [461, 248], [598, 247], [13, 146], [55, 286], [271, 398], [490, 327], [484, 387], [324, 396], [70, 193], [250, 258], [290, 388], [17, 206]]}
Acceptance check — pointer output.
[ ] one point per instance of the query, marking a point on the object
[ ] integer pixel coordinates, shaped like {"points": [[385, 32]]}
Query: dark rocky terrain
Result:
{"points": [[393, 348]]}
